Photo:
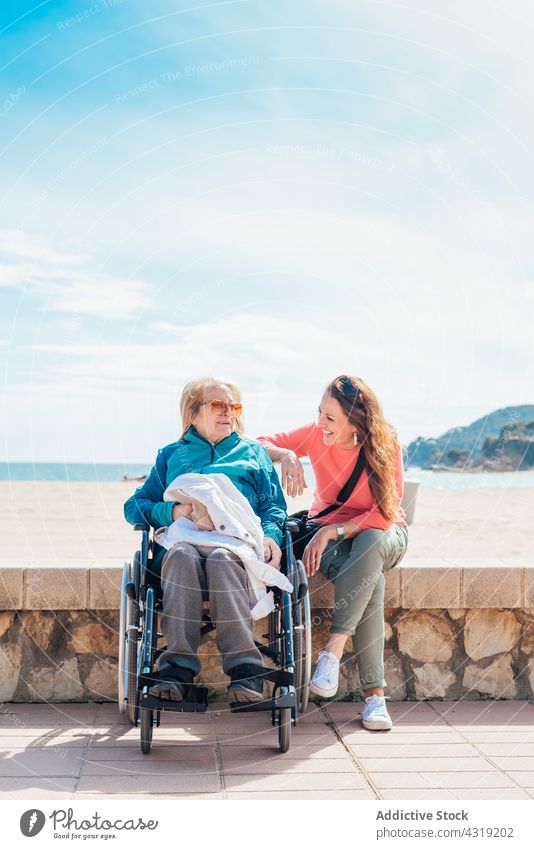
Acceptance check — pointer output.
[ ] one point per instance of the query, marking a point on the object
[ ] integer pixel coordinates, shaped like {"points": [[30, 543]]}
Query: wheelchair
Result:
{"points": [[288, 646]]}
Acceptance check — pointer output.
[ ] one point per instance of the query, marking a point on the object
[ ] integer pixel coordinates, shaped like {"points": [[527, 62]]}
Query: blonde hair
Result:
{"points": [[193, 396], [378, 437]]}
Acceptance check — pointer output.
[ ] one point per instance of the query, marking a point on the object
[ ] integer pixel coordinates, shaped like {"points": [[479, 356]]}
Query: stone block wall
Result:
{"points": [[451, 632]]}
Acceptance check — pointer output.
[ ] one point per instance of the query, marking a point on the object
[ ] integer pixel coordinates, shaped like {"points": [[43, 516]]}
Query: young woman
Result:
{"points": [[212, 442], [355, 543]]}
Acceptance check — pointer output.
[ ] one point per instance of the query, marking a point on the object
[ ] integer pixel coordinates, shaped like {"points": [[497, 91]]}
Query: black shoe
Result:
{"points": [[246, 685], [173, 684]]}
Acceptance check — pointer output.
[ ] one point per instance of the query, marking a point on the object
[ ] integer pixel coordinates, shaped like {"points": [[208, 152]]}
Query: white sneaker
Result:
{"points": [[375, 714], [325, 679]]}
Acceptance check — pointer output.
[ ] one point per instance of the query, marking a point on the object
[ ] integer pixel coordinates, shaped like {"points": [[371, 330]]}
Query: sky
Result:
{"points": [[270, 193]]}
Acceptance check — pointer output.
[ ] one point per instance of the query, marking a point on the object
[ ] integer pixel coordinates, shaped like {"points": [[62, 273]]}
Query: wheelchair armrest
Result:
{"points": [[292, 527], [141, 526]]}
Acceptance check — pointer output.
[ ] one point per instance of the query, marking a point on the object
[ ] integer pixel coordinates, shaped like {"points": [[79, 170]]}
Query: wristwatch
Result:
{"points": [[340, 533]]}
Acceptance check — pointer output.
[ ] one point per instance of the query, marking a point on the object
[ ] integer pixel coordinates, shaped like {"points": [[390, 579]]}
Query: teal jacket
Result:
{"points": [[244, 461]]}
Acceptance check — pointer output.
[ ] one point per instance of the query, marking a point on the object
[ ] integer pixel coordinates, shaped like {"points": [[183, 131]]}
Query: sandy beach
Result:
{"points": [[63, 522]]}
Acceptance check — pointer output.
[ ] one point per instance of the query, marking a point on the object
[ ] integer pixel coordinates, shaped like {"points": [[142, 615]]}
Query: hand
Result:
{"points": [[292, 474], [271, 552], [181, 510], [201, 517], [315, 548]]}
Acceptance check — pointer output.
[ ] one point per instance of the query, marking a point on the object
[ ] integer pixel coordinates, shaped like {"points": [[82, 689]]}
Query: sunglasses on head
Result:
{"points": [[348, 387], [218, 406]]}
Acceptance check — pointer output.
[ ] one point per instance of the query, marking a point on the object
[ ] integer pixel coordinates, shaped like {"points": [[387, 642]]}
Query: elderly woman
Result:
{"points": [[212, 442], [352, 543]]}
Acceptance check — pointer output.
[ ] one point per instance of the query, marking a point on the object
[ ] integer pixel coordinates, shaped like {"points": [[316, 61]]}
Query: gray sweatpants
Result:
{"points": [[188, 578], [357, 566]]}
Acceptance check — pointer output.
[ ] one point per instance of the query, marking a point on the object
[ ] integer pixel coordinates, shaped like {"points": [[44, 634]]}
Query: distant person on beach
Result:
{"points": [[354, 542], [211, 442]]}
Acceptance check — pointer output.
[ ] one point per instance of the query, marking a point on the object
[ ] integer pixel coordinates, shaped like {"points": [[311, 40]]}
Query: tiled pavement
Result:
{"points": [[436, 750]]}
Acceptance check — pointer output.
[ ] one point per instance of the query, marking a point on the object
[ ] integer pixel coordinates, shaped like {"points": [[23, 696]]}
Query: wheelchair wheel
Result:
{"points": [[131, 673], [284, 726], [302, 638], [147, 725], [123, 624], [146, 663], [132, 642]]}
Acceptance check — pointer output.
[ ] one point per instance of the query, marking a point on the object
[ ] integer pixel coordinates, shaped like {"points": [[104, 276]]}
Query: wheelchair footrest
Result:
{"points": [[288, 700], [196, 701]]}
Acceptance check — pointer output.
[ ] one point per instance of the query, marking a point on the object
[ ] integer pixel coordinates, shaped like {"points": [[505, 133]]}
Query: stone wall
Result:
{"points": [[451, 632]]}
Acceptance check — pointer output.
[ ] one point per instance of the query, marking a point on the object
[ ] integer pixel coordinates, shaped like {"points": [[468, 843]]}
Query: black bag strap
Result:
{"points": [[347, 490]]}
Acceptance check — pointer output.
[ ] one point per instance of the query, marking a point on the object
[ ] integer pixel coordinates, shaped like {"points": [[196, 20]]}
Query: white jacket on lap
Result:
{"points": [[237, 528]]}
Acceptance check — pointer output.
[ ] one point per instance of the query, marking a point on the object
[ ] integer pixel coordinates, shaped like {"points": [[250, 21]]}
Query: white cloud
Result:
{"points": [[65, 281]]}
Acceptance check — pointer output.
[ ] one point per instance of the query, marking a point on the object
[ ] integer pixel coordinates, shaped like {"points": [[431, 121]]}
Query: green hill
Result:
{"points": [[478, 443]]}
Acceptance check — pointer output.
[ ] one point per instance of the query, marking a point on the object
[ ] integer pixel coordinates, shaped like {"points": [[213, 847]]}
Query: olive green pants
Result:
{"points": [[356, 566]]}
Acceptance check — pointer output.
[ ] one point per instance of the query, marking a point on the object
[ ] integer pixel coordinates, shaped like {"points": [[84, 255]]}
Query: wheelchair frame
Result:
{"points": [[289, 647]]}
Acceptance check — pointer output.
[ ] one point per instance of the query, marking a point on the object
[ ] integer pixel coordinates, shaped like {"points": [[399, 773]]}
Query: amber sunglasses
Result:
{"points": [[223, 406]]}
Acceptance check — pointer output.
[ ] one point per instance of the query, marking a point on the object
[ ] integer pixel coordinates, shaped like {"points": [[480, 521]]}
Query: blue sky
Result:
{"points": [[269, 192]]}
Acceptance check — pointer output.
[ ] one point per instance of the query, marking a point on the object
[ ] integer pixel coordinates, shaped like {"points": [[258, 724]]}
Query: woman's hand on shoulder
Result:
{"points": [[271, 552], [293, 480]]}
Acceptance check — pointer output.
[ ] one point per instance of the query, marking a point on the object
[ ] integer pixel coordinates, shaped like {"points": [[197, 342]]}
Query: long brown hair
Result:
{"points": [[375, 434]]}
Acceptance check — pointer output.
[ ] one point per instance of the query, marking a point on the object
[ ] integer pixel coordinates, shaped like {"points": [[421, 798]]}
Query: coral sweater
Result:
{"points": [[332, 467]]}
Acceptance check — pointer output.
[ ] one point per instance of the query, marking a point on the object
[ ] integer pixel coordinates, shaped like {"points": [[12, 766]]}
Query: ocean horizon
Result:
{"points": [[116, 472]]}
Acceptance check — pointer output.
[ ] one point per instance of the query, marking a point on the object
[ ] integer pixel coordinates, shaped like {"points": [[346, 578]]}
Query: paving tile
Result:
{"points": [[207, 797], [126, 746], [269, 738], [415, 751], [44, 741], [491, 793], [452, 764], [514, 762], [149, 783], [456, 793], [132, 758], [304, 795], [206, 735], [36, 788], [26, 763], [279, 766], [396, 735], [187, 753], [254, 753], [481, 728], [39, 731], [179, 766], [519, 736], [416, 793], [44, 711], [406, 738], [517, 748], [298, 783], [398, 710], [428, 780], [523, 778], [499, 710]]}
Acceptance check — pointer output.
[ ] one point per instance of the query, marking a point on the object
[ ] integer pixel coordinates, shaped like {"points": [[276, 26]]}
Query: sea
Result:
{"points": [[113, 472]]}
